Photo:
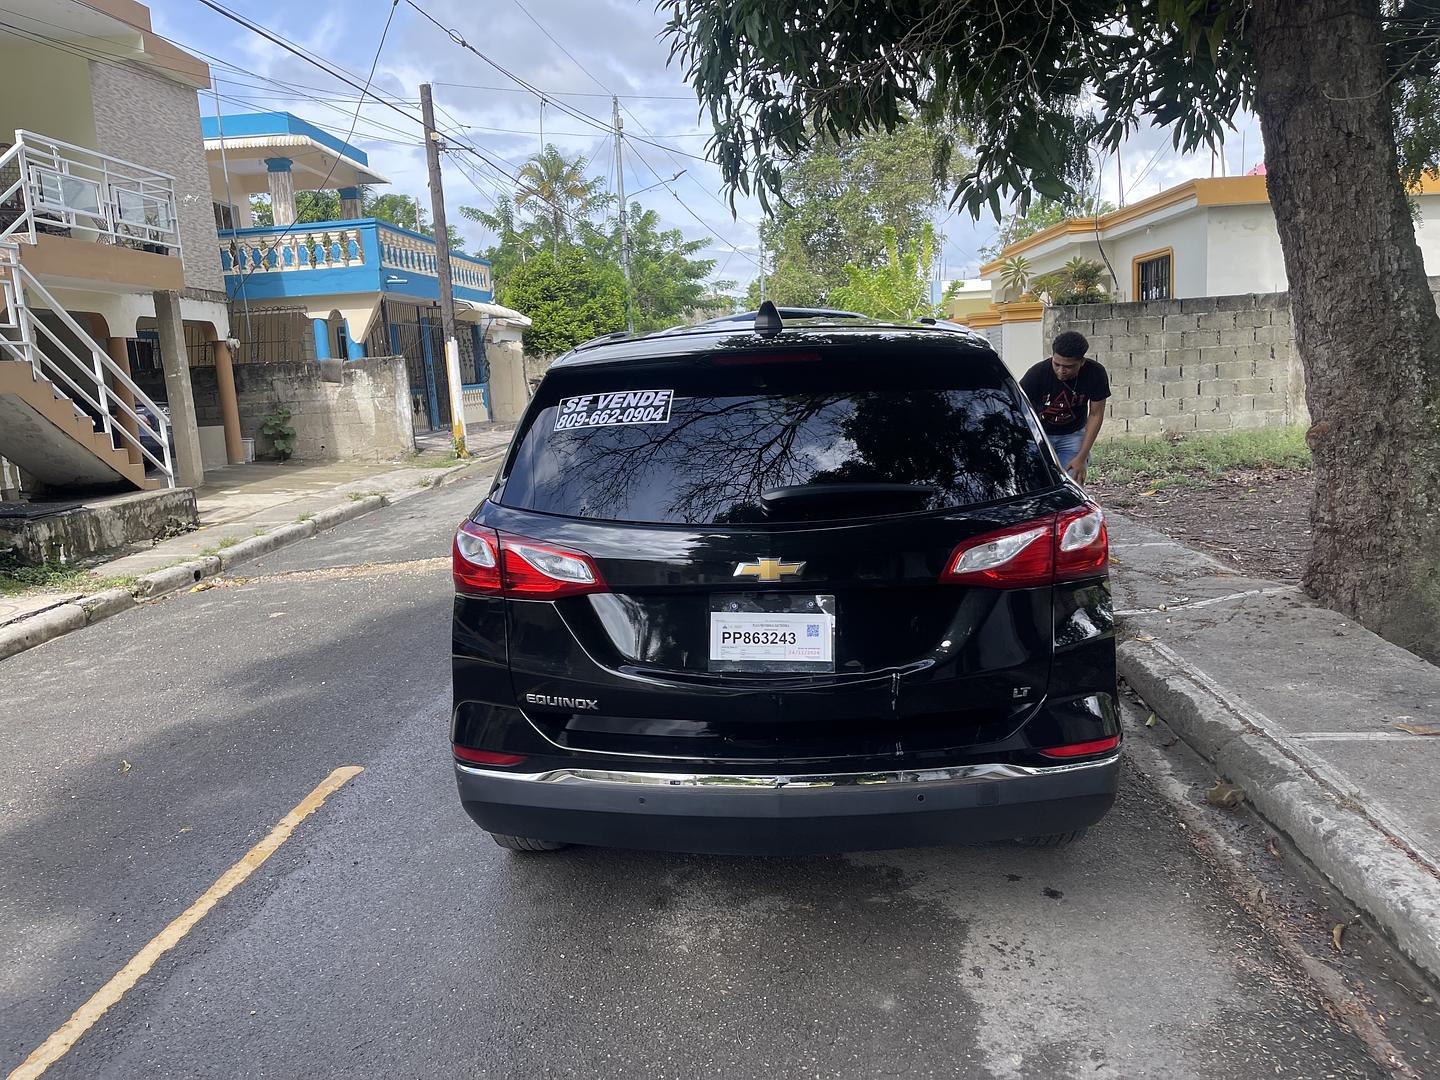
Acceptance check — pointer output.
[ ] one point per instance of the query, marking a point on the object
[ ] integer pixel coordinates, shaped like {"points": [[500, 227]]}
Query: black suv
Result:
{"points": [[808, 588]]}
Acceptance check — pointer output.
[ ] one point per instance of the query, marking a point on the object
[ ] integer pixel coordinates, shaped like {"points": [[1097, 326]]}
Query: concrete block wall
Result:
{"points": [[356, 410], [1219, 363], [152, 121]]}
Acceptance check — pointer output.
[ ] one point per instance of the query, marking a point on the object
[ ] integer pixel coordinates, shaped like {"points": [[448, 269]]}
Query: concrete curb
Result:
{"points": [[1375, 868], [470, 468], [64, 618]]}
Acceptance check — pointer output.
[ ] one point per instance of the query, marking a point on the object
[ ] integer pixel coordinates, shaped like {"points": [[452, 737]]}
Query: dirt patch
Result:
{"points": [[1258, 520]]}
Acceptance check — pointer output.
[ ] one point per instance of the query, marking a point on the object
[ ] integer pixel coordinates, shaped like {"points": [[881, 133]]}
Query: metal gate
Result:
{"points": [[421, 342]]}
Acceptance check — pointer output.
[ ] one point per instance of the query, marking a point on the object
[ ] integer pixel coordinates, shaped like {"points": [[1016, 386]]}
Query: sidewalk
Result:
{"points": [[1333, 733], [241, 503]]}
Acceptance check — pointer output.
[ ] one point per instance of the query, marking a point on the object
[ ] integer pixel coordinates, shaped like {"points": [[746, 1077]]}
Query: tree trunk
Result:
{"points": [[1365, 321]]}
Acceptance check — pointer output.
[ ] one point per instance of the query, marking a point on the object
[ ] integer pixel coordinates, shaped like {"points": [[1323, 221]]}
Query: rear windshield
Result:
{"points": [[693, 443]]}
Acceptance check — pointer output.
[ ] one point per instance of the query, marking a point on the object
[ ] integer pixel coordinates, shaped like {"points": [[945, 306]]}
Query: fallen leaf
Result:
{"points": [[1151, 720], [124, 766], [276, 614], [1337, 934], [186, 828], [203, 586], [1149, 494], [1172, 742], [1420, 729], [1225, 795], [1274, 849]]}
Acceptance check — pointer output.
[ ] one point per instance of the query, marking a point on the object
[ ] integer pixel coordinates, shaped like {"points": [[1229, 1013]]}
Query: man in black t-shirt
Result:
{"points": [[1069, 392]]}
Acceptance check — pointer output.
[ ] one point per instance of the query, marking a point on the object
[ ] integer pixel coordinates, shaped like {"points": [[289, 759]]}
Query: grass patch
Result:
{"points": [[16, 577], [1187, 461], [434, 460], [304, 516]]}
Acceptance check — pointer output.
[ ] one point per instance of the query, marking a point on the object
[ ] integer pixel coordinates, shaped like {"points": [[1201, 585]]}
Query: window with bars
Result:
{"points": [[1153, 278]]}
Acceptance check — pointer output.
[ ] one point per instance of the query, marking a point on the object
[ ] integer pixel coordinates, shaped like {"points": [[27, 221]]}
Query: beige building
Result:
{"points": [[110, 288], [1203, 238]]}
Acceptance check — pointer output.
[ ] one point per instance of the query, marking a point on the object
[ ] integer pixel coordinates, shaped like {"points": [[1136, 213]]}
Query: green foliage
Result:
{"points": [[1077, 282], [1040, 216], [556, 212], [1166, 462], [17, 577], [570, 298], [837, 199], [1015, 274], [276, 427], [897, 287], [404, 211], [1036, 91]]}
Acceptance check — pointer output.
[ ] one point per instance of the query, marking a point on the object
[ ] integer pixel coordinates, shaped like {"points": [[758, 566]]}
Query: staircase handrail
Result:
{"points": [[104, 397]]}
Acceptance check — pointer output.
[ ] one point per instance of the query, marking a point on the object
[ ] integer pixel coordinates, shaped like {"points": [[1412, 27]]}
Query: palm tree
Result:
{"points": [[553, 190]]}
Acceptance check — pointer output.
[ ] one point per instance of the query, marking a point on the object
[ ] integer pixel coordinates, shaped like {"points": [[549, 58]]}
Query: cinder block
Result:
{"points": [[1168, 406], [1213, 420], [1240, 335], [1218, 388], [1217, 320], [1182, 322], [1256, 385], [1126, 342], [1198, 339], [1144, 425], [1252, 419], [1145, 324], [1124, 409], [1167, 374], [1169, 339], [1179, 424], [1147, 391], [1235, 369], [1238, 302], [1269, 402]]}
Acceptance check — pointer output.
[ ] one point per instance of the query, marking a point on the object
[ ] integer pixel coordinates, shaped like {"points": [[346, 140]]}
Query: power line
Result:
{"points": [[568, 93], [374, 63]]}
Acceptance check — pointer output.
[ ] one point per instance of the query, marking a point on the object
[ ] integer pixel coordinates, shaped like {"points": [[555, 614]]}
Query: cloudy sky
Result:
{"points": [[577, 52]]}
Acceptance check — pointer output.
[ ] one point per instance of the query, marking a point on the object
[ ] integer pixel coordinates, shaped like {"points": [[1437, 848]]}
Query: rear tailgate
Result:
{"points": [[674, 515]]}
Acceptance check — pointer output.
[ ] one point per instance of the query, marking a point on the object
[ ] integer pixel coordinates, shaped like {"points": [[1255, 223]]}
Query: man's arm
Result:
{"points": [[1076, 467]]}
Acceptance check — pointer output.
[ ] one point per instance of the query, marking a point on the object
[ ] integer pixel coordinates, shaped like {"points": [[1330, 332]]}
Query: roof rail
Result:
{"points": [[767, 320], [604, 338]]}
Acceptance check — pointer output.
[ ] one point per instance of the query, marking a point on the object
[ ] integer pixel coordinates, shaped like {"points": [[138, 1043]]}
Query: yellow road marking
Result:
{"points": [[83, 1018]]}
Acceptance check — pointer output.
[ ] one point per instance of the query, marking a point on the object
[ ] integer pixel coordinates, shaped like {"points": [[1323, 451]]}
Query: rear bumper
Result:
{"points": [[789, 814]]}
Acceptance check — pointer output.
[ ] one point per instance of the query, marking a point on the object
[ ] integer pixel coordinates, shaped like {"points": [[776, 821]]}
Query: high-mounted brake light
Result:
{"points": [[1058, 547], [1083, 749], [489, 563], [728, 359]]}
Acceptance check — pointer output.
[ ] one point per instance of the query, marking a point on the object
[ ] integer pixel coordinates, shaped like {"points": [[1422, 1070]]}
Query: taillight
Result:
{"points": [[1082, 547], [1060, 547], [1083, 749], [540, 571], [485, 757], [1016, 557], [488, 563], [475, 560]]}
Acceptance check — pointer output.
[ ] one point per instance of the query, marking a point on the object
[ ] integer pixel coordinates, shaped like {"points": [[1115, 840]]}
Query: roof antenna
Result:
{"points": [[767, 320]]}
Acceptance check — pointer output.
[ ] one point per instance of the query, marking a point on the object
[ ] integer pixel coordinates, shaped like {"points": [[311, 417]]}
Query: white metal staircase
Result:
{"points": [[69, 415]]}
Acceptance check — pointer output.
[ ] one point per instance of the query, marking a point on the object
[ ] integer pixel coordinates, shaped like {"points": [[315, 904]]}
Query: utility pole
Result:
{"points": [[442, 269], [624, 211]]}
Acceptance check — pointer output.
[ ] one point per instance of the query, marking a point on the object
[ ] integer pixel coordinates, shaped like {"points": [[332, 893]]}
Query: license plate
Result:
{"points": [[774, 640]]}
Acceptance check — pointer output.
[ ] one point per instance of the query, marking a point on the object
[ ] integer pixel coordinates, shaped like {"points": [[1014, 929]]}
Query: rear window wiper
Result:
{"points": [[876, 497]]}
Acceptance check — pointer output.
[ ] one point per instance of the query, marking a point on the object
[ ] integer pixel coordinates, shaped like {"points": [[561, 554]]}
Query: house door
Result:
{"points": [[420, 343]]}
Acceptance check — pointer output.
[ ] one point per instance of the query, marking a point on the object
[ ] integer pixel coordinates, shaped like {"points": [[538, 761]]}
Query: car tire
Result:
{"points": [[524, 843], [1053, 840]]}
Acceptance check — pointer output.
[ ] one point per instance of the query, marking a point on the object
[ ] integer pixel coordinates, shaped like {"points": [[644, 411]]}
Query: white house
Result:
{"points": [[1208, 237]]}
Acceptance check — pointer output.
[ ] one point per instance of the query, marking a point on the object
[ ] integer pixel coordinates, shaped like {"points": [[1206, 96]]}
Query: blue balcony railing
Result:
{"points": [[328, 257]]}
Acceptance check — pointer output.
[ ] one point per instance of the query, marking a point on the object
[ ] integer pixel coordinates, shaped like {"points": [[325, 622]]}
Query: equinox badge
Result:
{"points": [[768, 569], [562, 702]]}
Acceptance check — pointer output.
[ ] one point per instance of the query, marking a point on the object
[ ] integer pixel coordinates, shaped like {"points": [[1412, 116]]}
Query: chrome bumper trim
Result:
{"points": [[960, 774]]}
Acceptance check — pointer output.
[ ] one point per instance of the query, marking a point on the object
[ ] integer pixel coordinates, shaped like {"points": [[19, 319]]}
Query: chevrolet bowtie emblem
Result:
{"points": [[768, 569]]}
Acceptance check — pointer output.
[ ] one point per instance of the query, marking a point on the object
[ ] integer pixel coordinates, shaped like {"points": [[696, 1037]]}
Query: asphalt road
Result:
{"points": [[389, 937]]}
